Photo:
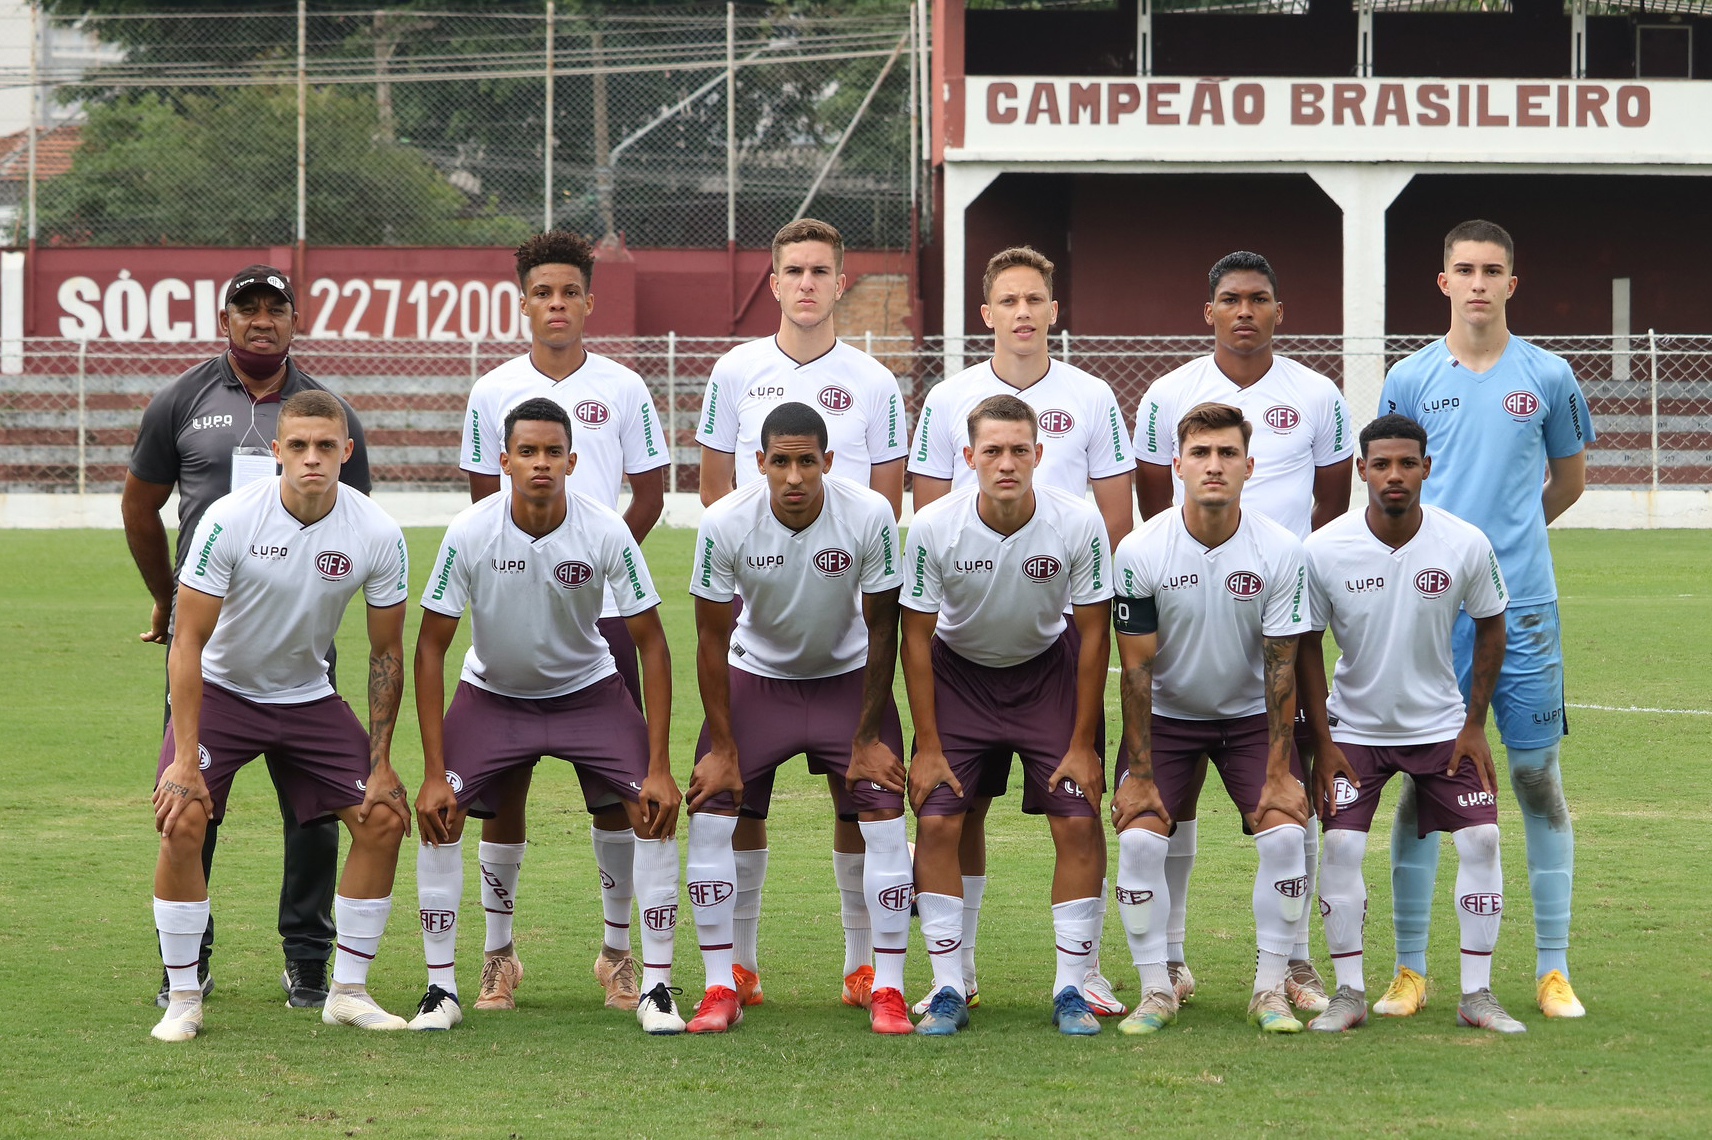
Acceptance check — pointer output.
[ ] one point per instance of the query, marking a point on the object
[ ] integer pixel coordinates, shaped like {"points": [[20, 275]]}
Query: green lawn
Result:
{"points": [[77, 951]]}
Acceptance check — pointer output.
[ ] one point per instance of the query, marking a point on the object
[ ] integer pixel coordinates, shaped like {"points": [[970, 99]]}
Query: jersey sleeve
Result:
{"points": [[1334, 442], [644, 442], [888, 432], [480, 447], [1108, 444], [448, 588], [881, 570], [1486, 595], [1134, 609], [714, 574], [931, 453], [213, 553], [1090, 563], [1154, 426], [1568, 426], [1287, 610], [1319, 598], [922, 583], [717, 427], [626, 572], [388, 583], [1397, 393], [154, 455]]}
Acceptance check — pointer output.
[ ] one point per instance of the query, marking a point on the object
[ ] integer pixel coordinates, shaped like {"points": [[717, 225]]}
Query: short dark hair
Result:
{"points": [[1242, 261], [1212, 417], [809, 229], [537, 408], [313, 404], [555, 247], [1393, 426], [793, 418], [1017, 255], [1479, 229], [1005, 409]]}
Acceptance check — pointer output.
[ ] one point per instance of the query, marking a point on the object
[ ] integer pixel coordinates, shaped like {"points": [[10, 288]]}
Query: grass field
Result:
{"points": [[77, 953]]}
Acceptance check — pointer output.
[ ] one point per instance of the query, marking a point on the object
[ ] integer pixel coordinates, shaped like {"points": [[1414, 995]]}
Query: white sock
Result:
{"points": [[1179, 864], [942, 933], [746, 914], [1479, 901], [358, 925], [1143, 901], [974, 886], [614, 857], [1343, 895], [712, 872], [886, 887], [1311, 860], [1100, 930], [180, 926], [1075, 925], [500, 864], [1280, 896], [847, 867], [656, 863], [439, 890]]}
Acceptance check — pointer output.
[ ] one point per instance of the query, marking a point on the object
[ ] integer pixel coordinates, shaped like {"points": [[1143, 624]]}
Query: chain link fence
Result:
{"points": [[668, 126], [69, 415]]}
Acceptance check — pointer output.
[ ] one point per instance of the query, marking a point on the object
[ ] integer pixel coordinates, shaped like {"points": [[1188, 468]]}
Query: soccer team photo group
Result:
{"points": [[1197, 563]]}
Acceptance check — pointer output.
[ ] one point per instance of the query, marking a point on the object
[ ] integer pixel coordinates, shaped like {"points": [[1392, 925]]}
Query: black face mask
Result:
{"points": [[256, 364]]}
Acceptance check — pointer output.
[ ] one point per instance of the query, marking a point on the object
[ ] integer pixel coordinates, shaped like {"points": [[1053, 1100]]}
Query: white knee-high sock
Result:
{"points": [[180, 926], [746, 913], [1479, 901], [439, 892], [712, 872], [847, 868], [942, 932], [974, 888], [1343, 899], [1310, 860], [614, 858], [656, 865], [1144, 900], [358, 925], [1075, 929], [500, 865], [1179, 865], [886, 887], [1280, 896]]}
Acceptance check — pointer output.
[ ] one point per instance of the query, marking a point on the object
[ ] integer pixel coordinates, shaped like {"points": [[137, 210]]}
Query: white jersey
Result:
{"points": [[1081, 430], [1391, 612], [1001, 599], [1300, 422], [534, 601], [802, 590], [615, 429], [285, 586], [853, 392], [1215, 606]]}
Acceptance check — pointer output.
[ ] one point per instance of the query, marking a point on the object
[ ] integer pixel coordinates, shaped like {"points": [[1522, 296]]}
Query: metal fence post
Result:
{"points": [[82, 417], [1652, 352], [475, 365], [671, 425], [547, 132], [1064, 345]]}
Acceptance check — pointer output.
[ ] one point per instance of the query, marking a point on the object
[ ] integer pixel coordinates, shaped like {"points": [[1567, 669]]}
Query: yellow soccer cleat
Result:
{"points": [[1404, 997], [1556, 998]]}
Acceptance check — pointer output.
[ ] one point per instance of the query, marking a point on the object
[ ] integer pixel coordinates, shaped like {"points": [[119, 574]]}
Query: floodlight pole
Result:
{"points": [[1578, 39], [302, 128], [1364, 39], [35, 114], [547, 133], [1144, 37]]}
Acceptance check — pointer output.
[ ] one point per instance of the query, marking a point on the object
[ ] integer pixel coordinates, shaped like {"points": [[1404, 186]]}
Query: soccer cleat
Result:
{"points": [[617, 972], [719, 1010], [1480, 1010], [183, 1017], [501, 972], [1346, 1010], [1270, 1010], [304, 982], [1404, 997], [945, 1014], [1304, 987], [748, 985], [1181, 980], [886, 1013], [1554, 995], [1070, 1013], [859, 986], [203, 978], [1153, 1012], [352, 1005], [437, 1010], [658, 1012], [1098, 992]]}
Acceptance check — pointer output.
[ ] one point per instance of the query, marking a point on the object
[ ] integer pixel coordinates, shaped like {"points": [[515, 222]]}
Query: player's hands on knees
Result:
{"points": [[156, 633], [384, 789], [660, 800], [875, 762], [1135, 797], [178, 787], [1329, 764], [1283, 793], [1471, 746], [928, 770], [715, 772], [1082, 768], [436, 805]]}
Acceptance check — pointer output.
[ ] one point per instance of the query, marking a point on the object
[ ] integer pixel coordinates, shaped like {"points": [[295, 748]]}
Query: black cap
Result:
{"points": [[264, 275]]}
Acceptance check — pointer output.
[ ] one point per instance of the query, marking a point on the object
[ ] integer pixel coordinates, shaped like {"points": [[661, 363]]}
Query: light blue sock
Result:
{"points": [[1414, 868], [1538, 786]]}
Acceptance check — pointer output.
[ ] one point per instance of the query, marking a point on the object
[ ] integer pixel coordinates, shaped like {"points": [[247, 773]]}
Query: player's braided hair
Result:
{"points": [[555, 247]]}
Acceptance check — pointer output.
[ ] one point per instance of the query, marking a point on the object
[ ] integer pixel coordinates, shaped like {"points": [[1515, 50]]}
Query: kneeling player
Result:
{"points": [[1388, 583], [808, 669], [539, 680], [991, 570], [258, 603]]}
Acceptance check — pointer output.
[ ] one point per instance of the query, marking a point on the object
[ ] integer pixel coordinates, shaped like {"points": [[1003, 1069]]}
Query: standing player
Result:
{"points": [[991, 670], [864, 413], [1084, 446], [1302, 448], [1508, 430], [618, 436], [808, 669], [1210, 601], [1389, 583], [209, 433], [258, 603], [534, 567]]}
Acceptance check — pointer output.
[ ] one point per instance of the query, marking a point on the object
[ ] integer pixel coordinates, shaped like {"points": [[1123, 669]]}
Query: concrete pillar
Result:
{"points": [[963, 184]]}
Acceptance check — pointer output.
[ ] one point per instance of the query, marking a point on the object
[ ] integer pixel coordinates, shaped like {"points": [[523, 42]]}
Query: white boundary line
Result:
{"points": [[1639, 709]]}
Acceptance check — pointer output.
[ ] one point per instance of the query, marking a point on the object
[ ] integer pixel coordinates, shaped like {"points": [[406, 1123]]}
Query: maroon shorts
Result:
{"points": [[1236, 746], [1442, 803], [774, 719], [597, 728], [318, 749], [996, 770], [986, 714], [618, 640]]}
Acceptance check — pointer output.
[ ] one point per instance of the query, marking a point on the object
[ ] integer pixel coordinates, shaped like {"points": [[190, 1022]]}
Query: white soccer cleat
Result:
{"points": [[1098, 992], [657, 1011], [183, 1017], [352, 1005], [438, 1009], [1182, 980], [1304, 987]]}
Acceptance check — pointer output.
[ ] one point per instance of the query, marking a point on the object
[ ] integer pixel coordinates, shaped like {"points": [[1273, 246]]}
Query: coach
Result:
{"points": [[207, 433]]}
